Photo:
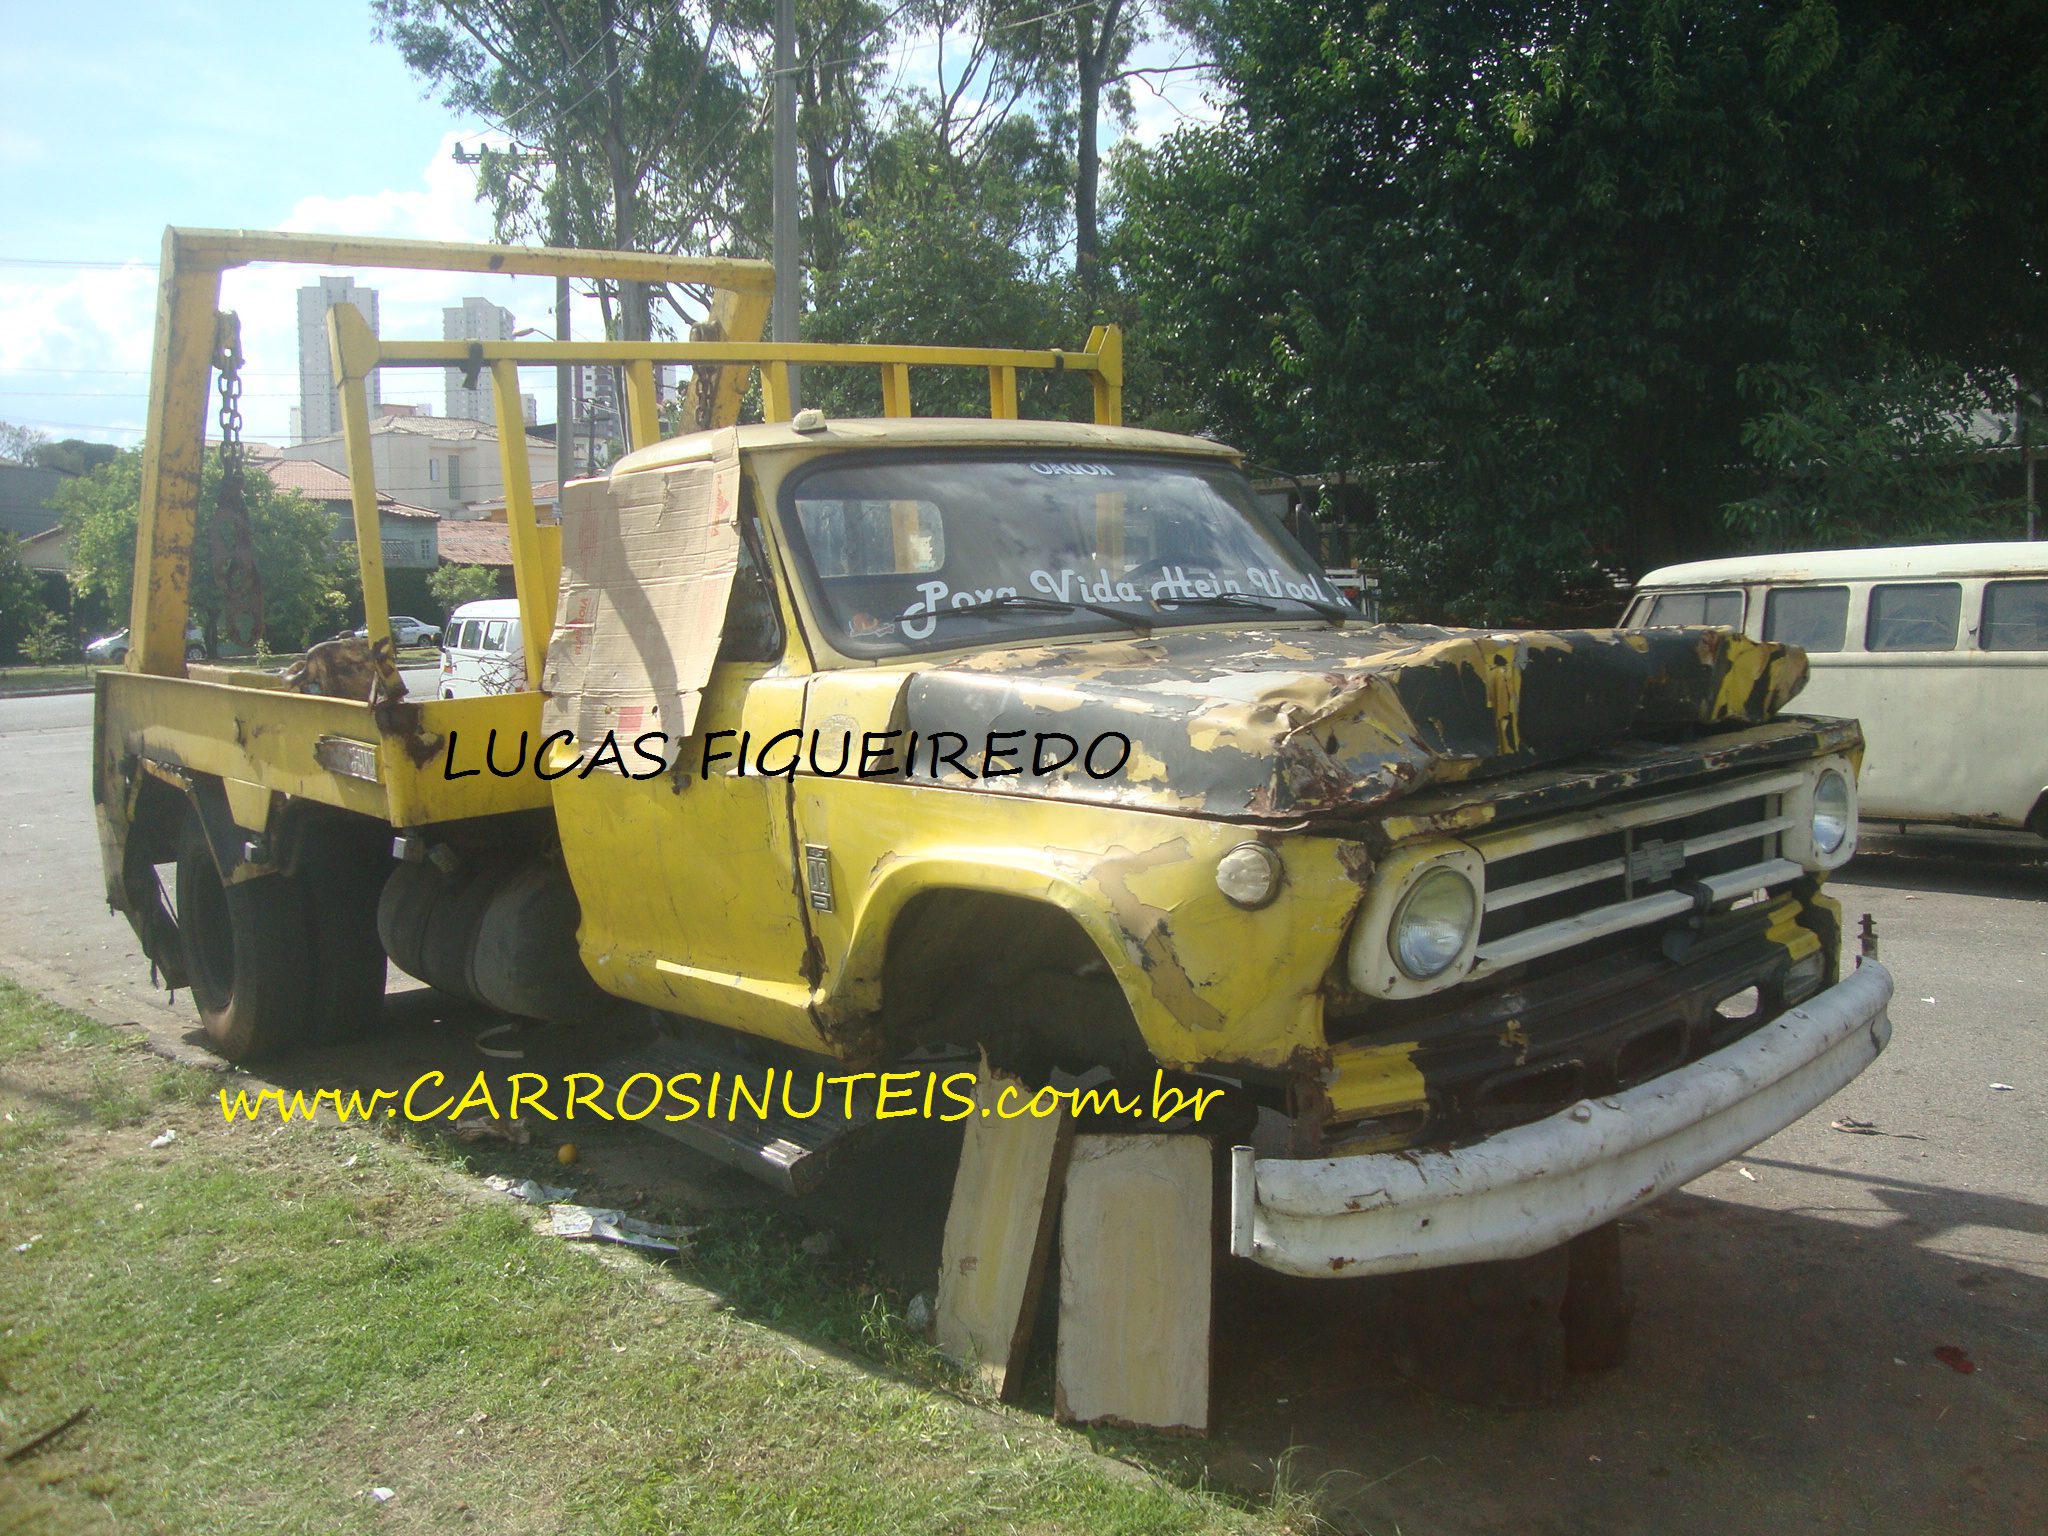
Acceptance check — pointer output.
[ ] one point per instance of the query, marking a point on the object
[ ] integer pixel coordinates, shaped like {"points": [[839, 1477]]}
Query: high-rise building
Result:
{"points": [[474, 320], [319, 413]]}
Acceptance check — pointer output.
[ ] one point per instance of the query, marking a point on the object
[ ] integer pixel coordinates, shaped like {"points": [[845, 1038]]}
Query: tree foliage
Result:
{"points": [[626, 121], [18, 444], [454, 585], [309, 581], [952, 237], [23, 614], [1601, 284]]}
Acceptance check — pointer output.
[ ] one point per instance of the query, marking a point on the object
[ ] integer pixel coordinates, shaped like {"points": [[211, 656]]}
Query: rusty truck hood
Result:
{"points": [[1297, 723]]}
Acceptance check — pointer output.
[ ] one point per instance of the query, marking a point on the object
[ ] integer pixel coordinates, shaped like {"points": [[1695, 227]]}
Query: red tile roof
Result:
{"points": [[315, 481], [475, 543]]}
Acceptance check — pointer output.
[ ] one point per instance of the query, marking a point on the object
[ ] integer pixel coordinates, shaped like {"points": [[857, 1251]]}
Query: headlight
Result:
{"points": [[1249, 874], [1834, 811], [1820, 816], [1432, 924]]}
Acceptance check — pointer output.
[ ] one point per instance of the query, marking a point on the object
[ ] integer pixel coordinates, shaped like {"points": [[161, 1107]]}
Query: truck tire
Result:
{"points": [[342, 870], [246, 954]]}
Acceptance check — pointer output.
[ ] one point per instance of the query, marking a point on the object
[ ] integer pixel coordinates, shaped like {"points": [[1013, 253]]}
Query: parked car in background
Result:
{"points": [[484, 651], [407, 631], [1940, 650], [112, 650]]}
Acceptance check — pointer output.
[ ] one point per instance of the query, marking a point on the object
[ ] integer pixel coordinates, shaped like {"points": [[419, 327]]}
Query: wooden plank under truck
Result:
{"points": [[846, 740]]}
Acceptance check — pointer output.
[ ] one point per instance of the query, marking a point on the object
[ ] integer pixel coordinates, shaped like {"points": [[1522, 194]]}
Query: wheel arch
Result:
{"points": [[942, 921]]}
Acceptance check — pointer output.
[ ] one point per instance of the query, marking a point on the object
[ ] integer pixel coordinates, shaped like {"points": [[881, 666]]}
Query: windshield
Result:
{"points": [[909, 553]]}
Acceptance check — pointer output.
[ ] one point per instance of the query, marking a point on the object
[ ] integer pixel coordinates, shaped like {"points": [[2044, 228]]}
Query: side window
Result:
{"points": [[2015, 616], [1815, 618], [1672, 610], [753, 630], [494, 636], [1917, 617], [472, 634]]}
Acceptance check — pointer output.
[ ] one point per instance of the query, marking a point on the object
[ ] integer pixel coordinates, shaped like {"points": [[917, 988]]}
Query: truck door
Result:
{"points": [[688, 881]]}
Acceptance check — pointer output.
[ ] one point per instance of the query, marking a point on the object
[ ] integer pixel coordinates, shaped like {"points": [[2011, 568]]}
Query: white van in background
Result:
{"points": [[1940, 650], [483, 650]]}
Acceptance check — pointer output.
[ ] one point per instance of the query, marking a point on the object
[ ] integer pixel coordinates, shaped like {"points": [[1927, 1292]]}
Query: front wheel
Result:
{"points": [[246, 955]]}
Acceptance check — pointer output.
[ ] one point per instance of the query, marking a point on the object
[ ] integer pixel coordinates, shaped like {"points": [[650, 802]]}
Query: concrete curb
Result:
{"points": [[41, 693]]}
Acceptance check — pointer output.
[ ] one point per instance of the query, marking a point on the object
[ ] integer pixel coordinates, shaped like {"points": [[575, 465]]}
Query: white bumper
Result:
{"points": [[1538, 1185]]}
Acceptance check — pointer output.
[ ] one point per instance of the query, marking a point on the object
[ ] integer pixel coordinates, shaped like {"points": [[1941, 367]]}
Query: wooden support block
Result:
{"points": [[998, 1235], [1135, 1255]]}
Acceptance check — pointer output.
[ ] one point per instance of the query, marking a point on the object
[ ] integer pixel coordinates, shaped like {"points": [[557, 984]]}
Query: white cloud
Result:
{"points": [[75, 345]]}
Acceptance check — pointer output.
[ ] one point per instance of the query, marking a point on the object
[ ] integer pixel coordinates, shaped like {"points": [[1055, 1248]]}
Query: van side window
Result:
{"points": [[1674, 610], [1917, 617], [494, 636], [2015, 616], [1815, 618], [463, 636]]}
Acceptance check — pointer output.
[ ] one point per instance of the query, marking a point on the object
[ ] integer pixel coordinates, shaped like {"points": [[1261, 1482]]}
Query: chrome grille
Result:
{"points": [[1556, 884]]}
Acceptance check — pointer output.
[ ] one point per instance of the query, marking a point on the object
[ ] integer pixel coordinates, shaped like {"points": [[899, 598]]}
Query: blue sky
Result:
{"points": [[120, 118]]}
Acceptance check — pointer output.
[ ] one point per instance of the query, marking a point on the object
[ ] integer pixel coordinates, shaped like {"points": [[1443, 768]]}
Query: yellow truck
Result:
{"points": [[859, 739]]}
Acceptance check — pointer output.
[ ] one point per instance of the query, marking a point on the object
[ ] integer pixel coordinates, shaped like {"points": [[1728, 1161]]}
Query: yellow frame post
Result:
{"points": [[643, 411], [173, 448], [1002, 394], [529, 575], [1107, 343], [355, 354], [775, 391], [896, 389]]}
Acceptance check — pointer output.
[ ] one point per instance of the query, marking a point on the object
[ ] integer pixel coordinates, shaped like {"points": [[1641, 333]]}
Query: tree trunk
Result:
{"points": [[618, 156], [1088, 154]]}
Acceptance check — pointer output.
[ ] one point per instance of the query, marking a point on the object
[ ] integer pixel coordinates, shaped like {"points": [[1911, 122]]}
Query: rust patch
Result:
{"points": [[1148, 934]]}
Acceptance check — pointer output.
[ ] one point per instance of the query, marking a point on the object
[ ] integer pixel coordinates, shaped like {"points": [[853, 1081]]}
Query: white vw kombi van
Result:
{"points": [[483, 650], [1940, 650]]}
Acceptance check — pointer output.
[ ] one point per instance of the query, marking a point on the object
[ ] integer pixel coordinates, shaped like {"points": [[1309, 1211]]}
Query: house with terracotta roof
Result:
{"points": [[410, 534], [435, 463], [480, 543]]}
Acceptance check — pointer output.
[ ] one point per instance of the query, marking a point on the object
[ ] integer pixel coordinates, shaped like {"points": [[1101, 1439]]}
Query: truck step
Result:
{"points": [[785, 1151]]}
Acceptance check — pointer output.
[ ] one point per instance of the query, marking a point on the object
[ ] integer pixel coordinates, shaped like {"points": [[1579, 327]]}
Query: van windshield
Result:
{"points": [[907, 553]]}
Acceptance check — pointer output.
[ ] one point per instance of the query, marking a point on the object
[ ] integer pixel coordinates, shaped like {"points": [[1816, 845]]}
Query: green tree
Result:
{"points": [[22, 610], [628, 119], [18, 445], [454, 585], [1570, 283], [309, 581], [950, 235]]}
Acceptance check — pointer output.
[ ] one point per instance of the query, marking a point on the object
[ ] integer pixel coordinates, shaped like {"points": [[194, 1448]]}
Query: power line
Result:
{"points": [[51, 261]]}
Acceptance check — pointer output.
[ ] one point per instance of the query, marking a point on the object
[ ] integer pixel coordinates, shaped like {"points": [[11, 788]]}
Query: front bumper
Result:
{"points": [[1524, 1190]]}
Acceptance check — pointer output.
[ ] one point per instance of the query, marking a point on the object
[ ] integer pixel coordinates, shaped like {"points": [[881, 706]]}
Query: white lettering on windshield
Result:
{"points": [[1075, 587], [1092, 471], [1175, 583]]}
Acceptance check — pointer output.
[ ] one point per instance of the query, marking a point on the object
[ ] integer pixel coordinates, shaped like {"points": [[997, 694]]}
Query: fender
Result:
{"points": [[1195, 988]]}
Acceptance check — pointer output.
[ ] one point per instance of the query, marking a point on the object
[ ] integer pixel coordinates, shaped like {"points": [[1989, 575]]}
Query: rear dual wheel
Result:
{"points": [[280, 961]]}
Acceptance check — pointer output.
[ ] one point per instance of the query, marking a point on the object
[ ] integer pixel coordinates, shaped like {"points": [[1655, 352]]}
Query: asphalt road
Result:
{"points": [[1788, 1306]]}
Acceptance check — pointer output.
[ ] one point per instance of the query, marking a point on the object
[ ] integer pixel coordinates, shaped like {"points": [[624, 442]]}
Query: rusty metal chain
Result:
{"points": [[231, 539]]}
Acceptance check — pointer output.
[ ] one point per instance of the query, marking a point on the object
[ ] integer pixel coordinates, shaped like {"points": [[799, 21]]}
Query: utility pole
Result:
{"points": [[787, 286]]}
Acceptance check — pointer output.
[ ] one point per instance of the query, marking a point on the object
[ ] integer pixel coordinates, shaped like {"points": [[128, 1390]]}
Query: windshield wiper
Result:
{"points": [[1334, 612], [1018, 602]]}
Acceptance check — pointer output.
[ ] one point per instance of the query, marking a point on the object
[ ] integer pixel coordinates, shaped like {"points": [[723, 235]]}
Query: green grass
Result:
{"points": [[39, 679], [265, 1332]]}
